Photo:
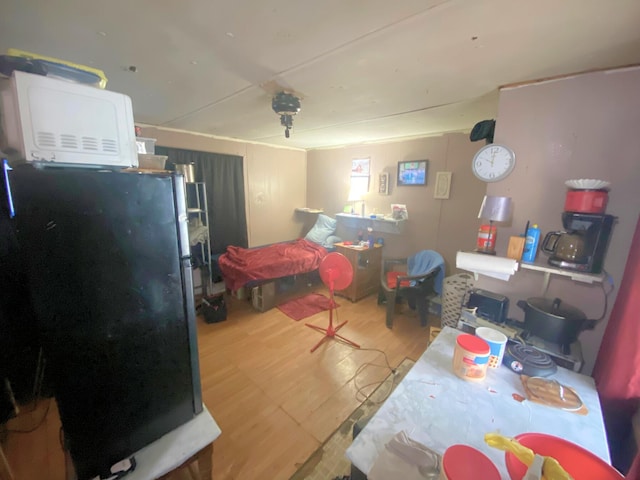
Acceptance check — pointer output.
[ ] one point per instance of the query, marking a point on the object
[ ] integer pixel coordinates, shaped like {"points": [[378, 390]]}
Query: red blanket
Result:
{"points": [[242, 265]]}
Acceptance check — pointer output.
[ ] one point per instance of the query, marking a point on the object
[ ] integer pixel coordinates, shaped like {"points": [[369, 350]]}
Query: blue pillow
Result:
{"points": [[323, 229]]}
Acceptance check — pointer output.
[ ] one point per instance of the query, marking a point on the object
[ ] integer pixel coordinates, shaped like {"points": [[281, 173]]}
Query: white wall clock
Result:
{"points": [[493, 162]]}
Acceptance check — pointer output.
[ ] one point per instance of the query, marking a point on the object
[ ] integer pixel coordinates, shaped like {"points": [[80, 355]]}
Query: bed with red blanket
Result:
{"points": [[242, 266]]}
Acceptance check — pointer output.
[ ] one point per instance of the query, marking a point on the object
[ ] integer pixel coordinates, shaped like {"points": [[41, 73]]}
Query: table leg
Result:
{"points": [[205, 462]]}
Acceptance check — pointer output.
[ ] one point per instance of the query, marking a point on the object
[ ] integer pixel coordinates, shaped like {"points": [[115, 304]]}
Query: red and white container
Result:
{"points": [[586, 201], [471, 357], [462, 462], [486, 237]]}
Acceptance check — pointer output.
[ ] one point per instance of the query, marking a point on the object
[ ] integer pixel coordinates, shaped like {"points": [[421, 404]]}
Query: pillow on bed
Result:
{"points": [[322, 230], [330, 242]]}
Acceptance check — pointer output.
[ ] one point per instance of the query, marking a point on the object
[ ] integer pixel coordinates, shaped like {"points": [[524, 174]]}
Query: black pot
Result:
{"points": [[553, 320]]}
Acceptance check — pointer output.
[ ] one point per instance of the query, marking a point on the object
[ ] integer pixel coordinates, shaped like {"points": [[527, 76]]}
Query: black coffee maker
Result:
{"points": [[583, 243]]}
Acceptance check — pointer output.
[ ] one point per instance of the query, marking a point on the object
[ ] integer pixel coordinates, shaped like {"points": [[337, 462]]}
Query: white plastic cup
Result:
{"points": [[497, 343]]}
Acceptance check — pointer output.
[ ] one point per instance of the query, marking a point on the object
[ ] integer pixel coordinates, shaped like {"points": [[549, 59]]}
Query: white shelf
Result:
{"points": [[549, 270], [309, 210], [379, 224]]}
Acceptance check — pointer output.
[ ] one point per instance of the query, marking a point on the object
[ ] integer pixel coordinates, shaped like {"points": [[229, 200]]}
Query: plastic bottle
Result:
{"points": [[531, 244], [370, 237]]}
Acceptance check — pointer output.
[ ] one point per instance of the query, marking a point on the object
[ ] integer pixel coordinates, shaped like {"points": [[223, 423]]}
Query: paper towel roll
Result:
{"points": [[497, 267]]}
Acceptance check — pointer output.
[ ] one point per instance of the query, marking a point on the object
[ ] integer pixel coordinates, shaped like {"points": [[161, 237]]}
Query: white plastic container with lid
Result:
{"points": [[471, 357], [146, 145]]}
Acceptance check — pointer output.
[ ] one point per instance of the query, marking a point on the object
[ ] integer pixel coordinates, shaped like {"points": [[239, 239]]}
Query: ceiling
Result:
{"points": [[365, 70]]}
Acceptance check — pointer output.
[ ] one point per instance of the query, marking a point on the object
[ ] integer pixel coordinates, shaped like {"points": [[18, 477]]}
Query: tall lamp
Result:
{"points": [[494, 209], [356, 195]]}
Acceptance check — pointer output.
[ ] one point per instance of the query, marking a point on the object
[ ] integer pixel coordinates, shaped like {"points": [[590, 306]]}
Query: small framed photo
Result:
{"points": [[360, 167], [443, 185], [412, 173], [383, 184]]}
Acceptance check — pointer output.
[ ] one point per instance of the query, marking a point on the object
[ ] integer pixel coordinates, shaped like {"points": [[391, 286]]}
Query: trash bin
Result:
{"points": [[214, 309]]}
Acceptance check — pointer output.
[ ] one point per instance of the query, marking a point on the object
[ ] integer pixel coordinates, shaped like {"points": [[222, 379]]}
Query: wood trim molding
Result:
{"points": [[565, 75]]}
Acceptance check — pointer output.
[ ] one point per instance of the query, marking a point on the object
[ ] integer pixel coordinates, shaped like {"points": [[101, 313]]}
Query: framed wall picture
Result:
{"points": [[443, 185], [383, 184], [412, 173], [360, 167]]}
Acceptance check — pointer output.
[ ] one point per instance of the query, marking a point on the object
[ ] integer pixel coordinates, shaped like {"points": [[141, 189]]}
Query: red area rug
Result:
{"points": [[306, 306]]}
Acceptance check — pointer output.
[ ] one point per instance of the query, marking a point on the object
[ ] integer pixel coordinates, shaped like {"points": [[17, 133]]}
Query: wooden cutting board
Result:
{"points": [[553, 394]]}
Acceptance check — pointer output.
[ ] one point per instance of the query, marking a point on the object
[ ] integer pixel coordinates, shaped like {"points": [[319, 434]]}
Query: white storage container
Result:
{"points": [[146, 145], [153, 162]]}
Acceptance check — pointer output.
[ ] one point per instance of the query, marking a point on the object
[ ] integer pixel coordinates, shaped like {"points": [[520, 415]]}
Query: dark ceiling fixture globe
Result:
{"points": [[286, 105]]}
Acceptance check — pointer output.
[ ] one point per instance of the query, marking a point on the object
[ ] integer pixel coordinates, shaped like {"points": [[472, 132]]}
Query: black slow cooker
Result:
{"points": [[554, 320]]}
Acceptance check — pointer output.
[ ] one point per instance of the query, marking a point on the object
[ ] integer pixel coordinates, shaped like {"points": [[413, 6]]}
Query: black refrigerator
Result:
{"points": [[107, 261]]}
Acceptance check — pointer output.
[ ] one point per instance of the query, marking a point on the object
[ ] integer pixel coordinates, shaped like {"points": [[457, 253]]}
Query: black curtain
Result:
{"points": [[224, 178]]}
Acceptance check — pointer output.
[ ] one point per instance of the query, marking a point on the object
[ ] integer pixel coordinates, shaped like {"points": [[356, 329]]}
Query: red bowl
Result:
{"points": [[581, 464]]}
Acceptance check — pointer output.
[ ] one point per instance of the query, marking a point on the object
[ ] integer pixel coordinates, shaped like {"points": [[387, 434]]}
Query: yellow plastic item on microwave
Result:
{"points": [[52, 61]]}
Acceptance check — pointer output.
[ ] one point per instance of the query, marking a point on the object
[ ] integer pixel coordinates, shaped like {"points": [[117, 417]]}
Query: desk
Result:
{"points": [[439, 409], [175, 449]]}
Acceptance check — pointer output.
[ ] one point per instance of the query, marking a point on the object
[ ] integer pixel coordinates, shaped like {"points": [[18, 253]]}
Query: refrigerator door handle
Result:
{"points": [[182, 217], [7, 186], [190, 315]]}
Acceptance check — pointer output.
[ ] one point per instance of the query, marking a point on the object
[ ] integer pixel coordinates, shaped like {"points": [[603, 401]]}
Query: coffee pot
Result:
{"points": [[582, 244], [565, 246]]}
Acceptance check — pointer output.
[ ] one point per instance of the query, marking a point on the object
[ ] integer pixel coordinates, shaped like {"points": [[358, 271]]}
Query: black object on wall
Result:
{"points": [[107, 259], [223, 175], [483, 131]]}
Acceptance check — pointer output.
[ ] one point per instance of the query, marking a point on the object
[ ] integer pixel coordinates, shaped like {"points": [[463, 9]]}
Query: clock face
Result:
{"points": [[493, 162]]}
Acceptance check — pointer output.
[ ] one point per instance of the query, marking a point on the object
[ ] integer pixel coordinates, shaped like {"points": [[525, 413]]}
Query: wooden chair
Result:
{"points": [[396, 283]]}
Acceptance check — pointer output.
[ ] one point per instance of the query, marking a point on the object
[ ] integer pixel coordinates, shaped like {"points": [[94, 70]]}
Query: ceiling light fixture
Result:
{"points": [[286, 105]]}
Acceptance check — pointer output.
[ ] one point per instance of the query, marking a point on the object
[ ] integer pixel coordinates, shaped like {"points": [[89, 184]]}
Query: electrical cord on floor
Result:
{"points": [[360, 395], [609, 279], [36, 426]]}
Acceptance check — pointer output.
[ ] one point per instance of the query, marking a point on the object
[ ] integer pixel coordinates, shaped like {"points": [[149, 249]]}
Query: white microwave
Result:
{"points": [[59, 123]]}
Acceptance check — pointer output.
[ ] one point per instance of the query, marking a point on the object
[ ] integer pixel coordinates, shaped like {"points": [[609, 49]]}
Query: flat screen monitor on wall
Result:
{"points": [[412, 173]]}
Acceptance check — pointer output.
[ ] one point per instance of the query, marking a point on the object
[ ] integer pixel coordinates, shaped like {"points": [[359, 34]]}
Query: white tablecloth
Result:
{"points": [[439, 409]]}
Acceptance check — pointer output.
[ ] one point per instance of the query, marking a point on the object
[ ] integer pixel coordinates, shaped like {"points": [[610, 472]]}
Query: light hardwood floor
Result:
{"points": [[274, 400]]}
